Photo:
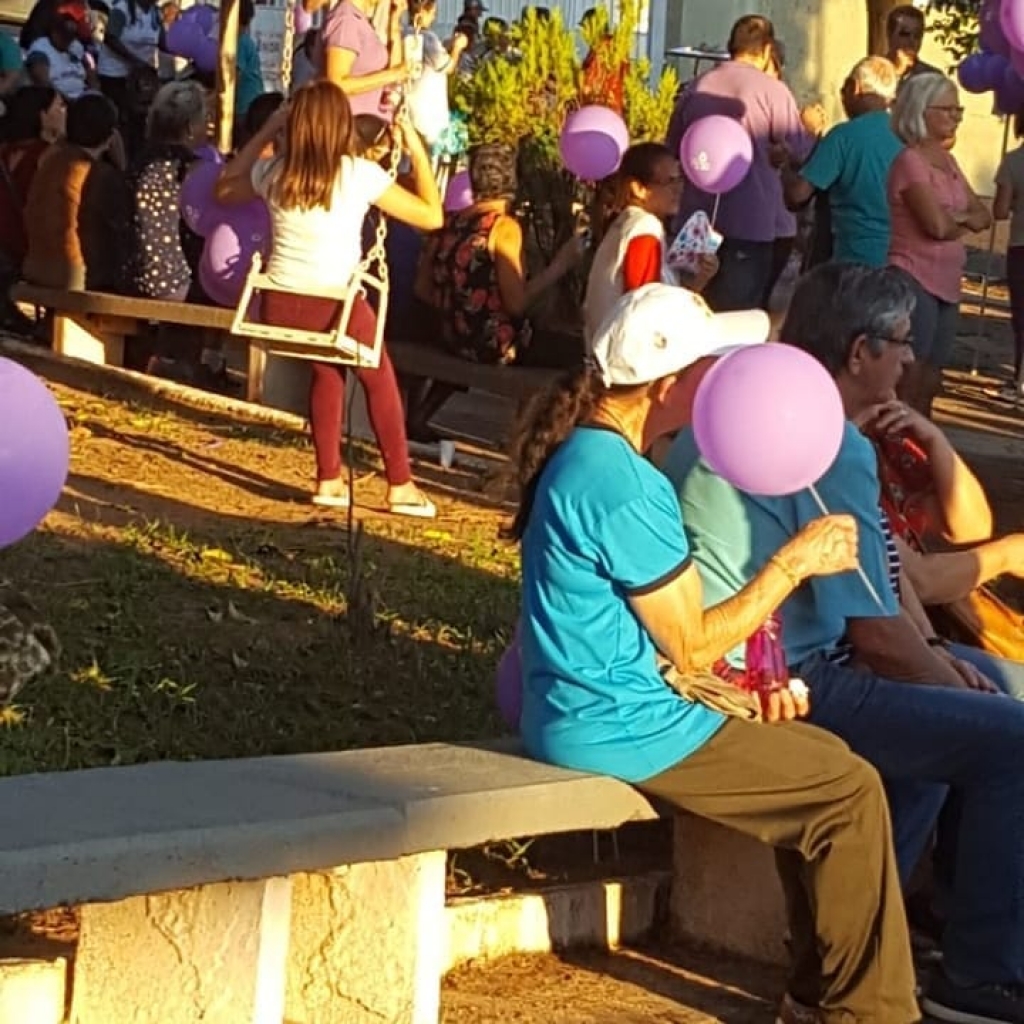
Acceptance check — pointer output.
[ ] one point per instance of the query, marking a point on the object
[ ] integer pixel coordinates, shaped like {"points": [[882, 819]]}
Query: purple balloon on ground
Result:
{"points": [[459, 193], [508, 684], [34, 451], [592, 142], [769, 419], [716, 153], [230, 246]]}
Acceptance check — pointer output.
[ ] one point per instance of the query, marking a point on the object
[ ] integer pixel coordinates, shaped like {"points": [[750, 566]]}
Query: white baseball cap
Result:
{"points": [[660, 329]]}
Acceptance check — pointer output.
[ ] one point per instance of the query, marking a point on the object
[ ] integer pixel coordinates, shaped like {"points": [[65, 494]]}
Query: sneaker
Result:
{"points": [[980, 1004], [792, 1012]]}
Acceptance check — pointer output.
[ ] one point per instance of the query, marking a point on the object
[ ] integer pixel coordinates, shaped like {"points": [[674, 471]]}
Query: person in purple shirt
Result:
{"points": [[349, 53], [742, 88]]}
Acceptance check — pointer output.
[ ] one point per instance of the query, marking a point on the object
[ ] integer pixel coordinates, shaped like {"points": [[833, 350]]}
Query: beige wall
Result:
{"points": [[824, 38]]}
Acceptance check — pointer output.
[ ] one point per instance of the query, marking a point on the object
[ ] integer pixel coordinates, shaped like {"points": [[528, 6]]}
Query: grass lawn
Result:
{"points": [[207, 610]]}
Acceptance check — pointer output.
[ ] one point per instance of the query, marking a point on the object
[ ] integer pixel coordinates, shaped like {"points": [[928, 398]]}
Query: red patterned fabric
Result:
{"points": [[906, 480]]}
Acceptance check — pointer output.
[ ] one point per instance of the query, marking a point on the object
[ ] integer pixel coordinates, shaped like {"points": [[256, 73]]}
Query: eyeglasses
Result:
{"points": [[949, 108]]}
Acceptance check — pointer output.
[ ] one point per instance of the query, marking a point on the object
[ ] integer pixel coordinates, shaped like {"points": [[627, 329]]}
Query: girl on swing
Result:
{"points": [[318, 193]]}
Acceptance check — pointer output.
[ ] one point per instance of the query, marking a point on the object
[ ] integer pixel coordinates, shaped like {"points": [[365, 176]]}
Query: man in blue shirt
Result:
{"points": [[875, 681], [851, 164]]}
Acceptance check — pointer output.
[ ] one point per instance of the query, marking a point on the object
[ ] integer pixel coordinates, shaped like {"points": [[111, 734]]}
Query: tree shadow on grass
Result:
{"points": [[188, 646]]}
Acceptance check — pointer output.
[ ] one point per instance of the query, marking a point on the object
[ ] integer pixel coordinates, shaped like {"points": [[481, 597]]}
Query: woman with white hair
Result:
{"points": [[165, 249], [932, 207]]}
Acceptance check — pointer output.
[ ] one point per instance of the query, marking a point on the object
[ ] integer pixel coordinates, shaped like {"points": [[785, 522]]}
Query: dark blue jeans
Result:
{"points": [[744, 273], [923, 740]]}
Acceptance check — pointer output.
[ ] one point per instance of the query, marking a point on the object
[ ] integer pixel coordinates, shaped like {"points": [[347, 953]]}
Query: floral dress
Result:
{"points": [[476, 325]]}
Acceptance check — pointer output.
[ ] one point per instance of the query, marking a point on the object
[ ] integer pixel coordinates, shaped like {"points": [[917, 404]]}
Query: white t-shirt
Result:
{"points": [[321, 248], [604, 284], [140, 37], [428, 94], [67, 68]]}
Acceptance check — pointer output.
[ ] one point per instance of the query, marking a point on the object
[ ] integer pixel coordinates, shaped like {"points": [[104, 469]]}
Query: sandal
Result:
{"points": [[422, 509], [331, 500]]}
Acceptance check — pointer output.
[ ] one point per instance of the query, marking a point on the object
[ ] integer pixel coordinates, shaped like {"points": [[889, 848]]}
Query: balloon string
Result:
{"points": [[860, 569], [714, 211]]}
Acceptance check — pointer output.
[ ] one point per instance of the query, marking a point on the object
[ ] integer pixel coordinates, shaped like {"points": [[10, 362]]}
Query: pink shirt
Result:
{"points": [[347, 28], [936, 266]]}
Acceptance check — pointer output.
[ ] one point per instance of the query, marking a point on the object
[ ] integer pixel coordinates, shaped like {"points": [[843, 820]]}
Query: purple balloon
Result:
{"points": [[990, 30], [716, 153], [459, 193], [197, 200], [206, 55], [973, 73], [769, 419], [995, 69], [184, 38], [1011, 20], [34, 451], [202, 15], [1010, 93], [1016, 62], [592, 142], [230, 246], [508, 684]]}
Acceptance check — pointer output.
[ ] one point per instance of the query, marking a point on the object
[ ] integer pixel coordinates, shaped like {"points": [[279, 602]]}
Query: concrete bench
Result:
{"points": [[93, 326], [311, 888]]}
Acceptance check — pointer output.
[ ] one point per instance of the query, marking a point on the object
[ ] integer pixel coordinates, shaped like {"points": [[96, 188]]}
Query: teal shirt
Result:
{"points": [[733, 535], [10, 55], [250, 74], [605, 525], [852, 164]]}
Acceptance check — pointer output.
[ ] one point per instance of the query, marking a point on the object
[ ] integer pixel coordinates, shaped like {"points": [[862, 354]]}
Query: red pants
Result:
{"points": [[327, 389]]}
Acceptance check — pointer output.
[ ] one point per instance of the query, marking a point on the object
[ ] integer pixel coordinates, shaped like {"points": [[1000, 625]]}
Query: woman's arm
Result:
{"points": [[517, 294], [929, 216], [694, 638], [419, 205], [1003, 200], [957, 508], [944, 576], [235, 182], [338, 69]]}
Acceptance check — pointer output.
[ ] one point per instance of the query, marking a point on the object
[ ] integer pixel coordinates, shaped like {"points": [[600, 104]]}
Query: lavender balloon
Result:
{"points": [[769, 419], [508, 684], [1011, 20], [303, 20], [459, 193], [230, 246], [716, 153], [202, 15], [34, 451], [197, 199], [592, 142], [184, 38]]}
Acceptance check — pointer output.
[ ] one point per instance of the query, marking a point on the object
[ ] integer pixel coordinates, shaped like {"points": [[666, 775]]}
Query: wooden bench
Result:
{"points": [[93, 326], [311, 888]]}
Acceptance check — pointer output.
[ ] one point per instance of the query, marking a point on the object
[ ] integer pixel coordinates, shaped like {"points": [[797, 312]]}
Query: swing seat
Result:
{"points": [[326, 347]]}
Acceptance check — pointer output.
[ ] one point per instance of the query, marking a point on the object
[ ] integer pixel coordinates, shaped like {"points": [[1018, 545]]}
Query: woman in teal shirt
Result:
{"points": [[608, 586]]}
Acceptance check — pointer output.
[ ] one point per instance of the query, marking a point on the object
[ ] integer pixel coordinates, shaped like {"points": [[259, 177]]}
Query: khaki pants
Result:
{"points": [[802, 791]]}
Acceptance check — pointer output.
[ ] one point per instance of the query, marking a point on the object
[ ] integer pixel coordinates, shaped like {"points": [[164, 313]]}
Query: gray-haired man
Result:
{"points": [[851, 164]]}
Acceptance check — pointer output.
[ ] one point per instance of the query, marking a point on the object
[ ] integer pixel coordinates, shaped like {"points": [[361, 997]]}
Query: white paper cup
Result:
{"points": [[446, 452]]}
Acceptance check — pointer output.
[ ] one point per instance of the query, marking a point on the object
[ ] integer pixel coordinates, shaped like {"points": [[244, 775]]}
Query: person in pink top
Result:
{"points": [[931, 207], [349, 53]]}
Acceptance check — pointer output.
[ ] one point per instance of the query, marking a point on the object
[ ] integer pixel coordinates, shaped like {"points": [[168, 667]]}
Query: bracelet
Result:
{"points": [[937, 641], [779, 564]]}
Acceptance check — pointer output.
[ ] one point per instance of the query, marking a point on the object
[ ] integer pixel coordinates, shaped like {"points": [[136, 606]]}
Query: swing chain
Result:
{"points": [[288, 46]]}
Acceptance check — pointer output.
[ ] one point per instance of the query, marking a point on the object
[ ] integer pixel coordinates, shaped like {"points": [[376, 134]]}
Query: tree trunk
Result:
{"points": [[878, 11]]}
